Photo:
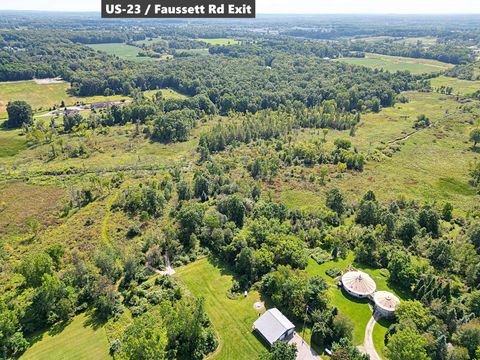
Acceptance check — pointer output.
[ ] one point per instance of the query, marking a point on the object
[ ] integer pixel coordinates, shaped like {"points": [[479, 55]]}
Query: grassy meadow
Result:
{"points": [[398, 63], [39, 96], [232, 319], [166, 93], [220, 41], [357, 310], [400, 161], [123, 51], [80, 339], [462, 87], [42, 97]]}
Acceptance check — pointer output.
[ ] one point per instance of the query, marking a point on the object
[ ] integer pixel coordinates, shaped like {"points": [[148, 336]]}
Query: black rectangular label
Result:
{"points": [[178, 8]]}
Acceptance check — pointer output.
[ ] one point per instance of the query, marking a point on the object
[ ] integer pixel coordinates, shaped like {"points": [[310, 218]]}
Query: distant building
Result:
{"points": [[274, 326], [100, 105], [107, 104], [71, 111], [385, 303], [358, 284]]}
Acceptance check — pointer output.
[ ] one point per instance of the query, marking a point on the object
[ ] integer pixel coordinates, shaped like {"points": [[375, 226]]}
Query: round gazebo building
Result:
{"points": [[385, 303], [358, 284]]}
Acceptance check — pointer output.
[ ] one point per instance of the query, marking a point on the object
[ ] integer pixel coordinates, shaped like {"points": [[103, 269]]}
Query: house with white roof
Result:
{"points": [[274, 326]]}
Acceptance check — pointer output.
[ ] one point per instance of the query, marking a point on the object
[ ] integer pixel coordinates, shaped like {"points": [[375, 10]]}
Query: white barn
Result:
{"points": [[273, 326]]}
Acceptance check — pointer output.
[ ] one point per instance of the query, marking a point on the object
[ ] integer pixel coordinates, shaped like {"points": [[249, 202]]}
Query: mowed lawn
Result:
{"points": [[398, 63], [357, 310], [78, 341], [232, 319], [462, 87]]}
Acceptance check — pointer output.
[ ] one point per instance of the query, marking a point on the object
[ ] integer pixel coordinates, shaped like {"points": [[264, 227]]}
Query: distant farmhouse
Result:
{"points": [[107, 104]]}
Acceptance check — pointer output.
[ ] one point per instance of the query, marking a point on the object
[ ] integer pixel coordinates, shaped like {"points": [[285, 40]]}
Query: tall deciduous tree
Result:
{"points": [[19, 113], [407, 344]]}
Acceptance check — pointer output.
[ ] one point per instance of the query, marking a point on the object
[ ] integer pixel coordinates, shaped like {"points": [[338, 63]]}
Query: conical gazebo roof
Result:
{"points": [[386, 300], [358, 283]]}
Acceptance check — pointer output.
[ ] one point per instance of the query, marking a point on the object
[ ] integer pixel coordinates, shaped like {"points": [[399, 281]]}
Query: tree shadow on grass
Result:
{"points": [[403, 294], [94, 321], [353, 298], [58, 327], [36, 337], [224, 268]]}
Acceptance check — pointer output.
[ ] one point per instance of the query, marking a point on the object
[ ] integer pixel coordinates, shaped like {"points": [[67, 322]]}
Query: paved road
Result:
{"points": [[368, 346], [305, 352]]}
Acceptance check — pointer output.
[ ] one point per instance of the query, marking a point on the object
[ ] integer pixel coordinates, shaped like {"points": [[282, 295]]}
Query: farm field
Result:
{"points": [[220, 41], [42, 97], [400, 160], [39, 96], [78, 340], [148, 41], [398, 63], [462, 87], [123, 51], [232, 319]]}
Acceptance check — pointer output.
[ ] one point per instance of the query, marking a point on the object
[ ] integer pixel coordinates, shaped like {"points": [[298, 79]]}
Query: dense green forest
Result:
{"points": [[249, 147]]}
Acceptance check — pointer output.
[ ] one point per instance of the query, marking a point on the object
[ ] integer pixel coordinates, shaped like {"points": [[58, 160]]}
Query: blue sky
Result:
{"points": [[289, 6]]}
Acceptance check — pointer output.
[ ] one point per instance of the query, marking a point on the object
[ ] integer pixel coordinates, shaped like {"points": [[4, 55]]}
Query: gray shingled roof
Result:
{"points": [[272, 325]]}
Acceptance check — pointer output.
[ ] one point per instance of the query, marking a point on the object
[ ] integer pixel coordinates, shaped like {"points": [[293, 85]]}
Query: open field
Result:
{"points": [[421, 167], [220, 41], [398, 63], [42, 97], [123, 51], [301, 200], [78, 340], [232, 319], [148, 41], [426, 40], [11, 143], [400, 161], [166, 93], [38, 96], [462, 87]]}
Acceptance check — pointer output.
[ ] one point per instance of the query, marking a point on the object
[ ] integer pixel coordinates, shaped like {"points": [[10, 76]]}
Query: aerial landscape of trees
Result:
{"points": [[259, 152]]}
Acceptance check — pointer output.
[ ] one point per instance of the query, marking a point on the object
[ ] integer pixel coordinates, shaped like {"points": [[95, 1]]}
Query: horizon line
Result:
{"points": [[261, 13]]}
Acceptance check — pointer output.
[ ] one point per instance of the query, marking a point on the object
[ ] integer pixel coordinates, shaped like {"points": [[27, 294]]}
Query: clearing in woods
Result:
{"points": [[220, 41], [398, 63], [123, 51], [42, 97], [81, 339], [232, 319]]}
